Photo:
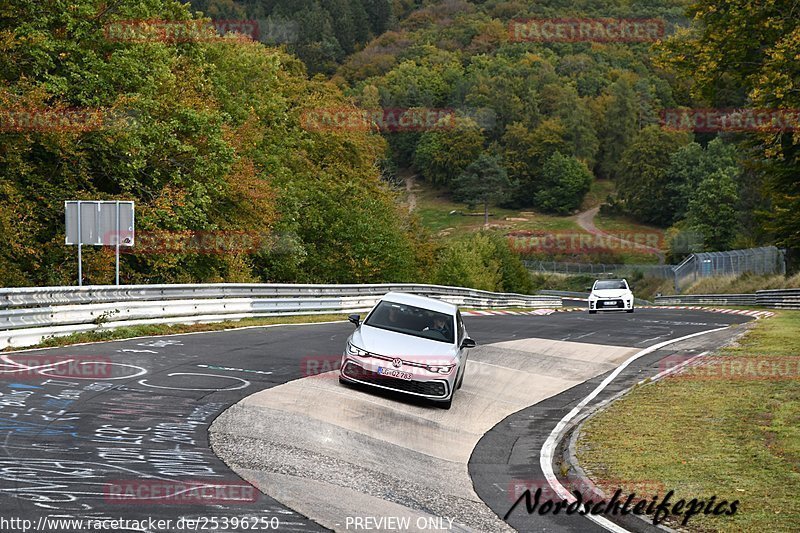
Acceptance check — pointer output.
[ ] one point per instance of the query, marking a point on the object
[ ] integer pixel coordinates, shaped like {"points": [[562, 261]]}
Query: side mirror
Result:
{"points": [[355, 319], [468, 343], [588, 289]]}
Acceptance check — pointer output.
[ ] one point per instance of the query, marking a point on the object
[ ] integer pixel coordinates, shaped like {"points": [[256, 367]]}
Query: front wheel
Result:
{"points": [[447, 404], [592, 312], [630, 310]]}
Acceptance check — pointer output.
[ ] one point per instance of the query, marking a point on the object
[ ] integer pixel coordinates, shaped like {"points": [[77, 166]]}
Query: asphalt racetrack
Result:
{"points": [[120, 433]]}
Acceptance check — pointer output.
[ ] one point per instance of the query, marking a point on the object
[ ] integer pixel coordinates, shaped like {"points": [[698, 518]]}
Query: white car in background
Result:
{"points": [[610, 295]]}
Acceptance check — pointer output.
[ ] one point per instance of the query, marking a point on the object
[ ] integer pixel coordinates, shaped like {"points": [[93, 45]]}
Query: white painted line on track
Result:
{"points": [[548, 450]]}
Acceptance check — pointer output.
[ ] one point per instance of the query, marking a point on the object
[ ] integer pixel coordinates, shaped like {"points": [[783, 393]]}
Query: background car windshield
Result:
{"points": [[412, 320], [601, 285]]}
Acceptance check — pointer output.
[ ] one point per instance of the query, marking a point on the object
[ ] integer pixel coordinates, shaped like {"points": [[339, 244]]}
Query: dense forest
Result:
{"points": [[212, 137], [559, 109]]}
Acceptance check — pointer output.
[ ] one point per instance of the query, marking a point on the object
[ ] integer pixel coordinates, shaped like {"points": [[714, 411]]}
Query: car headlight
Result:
{"points": [[440, 369], [352, 349]]}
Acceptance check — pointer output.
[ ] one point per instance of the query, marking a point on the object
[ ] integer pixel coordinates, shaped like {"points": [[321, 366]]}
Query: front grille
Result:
{"points": [[437, 389]]}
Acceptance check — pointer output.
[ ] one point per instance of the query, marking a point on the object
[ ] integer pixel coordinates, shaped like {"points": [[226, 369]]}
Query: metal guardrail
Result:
{"points": [[599, 269], [779, 298], [585, 295], [27, 315], [708, 299], [774, 298], [37, 296], [564, 294]]}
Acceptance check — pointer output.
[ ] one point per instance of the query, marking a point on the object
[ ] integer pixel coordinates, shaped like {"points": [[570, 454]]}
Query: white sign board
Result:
{"points": [[105, 223]]}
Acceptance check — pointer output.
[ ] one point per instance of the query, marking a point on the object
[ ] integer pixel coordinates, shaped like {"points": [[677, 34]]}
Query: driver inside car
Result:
{"points": [[439, 325]]}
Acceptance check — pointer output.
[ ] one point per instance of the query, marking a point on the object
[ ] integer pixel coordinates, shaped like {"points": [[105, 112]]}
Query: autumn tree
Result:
{"points": [[484, 181]]}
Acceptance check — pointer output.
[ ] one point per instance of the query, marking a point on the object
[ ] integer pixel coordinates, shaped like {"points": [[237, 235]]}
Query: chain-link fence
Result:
{"points": [[600, 269], [762, 261]]}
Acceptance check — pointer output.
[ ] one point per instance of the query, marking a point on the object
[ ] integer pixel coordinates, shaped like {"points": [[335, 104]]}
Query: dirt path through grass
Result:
{"points": [[586, 221]]}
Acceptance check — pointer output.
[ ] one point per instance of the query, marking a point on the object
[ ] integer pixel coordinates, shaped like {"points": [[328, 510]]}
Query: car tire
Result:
{"points": [[460, 380], [592, 312], [630, 310], [446, 405]]}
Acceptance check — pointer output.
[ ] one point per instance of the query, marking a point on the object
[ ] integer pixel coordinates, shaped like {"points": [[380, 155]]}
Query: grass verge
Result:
{"points": [[435, 205], [744, 284], [129, 332], [732, 436]]}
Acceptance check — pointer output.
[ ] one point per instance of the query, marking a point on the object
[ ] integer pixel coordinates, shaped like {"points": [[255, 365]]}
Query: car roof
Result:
{"points": [[626, 281], [420, 301]]}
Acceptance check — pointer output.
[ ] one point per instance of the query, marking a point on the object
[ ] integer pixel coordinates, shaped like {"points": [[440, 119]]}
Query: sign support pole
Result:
{"points": [[117, 246], [80, 245]]}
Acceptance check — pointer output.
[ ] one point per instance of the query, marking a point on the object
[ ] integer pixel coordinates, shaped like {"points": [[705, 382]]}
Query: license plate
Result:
{"points": [[391, 373]]}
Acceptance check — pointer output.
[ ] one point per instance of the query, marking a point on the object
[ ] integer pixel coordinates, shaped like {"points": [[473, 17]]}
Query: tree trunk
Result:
{"points": [[486, 212]]}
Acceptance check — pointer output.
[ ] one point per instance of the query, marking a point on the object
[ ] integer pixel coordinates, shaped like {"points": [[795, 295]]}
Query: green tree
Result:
{"points": [[690, 165], [525, 151], [562, 101], [565, 181], [643, 180], [712, 210], [485, 261], [619, 127], [205, 136], [484, 181], [470, 262], [745, 55], [443, 153]]}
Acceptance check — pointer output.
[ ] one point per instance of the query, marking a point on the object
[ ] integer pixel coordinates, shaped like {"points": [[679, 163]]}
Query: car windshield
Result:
{"points": [[601, 285], [412, 320]]}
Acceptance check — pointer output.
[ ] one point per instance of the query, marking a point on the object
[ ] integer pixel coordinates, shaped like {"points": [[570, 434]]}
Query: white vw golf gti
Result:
{"points": [[409, 344]]}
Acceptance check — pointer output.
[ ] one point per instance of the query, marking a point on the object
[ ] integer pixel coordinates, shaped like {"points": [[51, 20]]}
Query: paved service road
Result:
{"points": [[119, 430]]}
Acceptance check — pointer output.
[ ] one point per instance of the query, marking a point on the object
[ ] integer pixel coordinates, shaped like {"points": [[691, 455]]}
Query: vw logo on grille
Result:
{"points": [[397, 363]]}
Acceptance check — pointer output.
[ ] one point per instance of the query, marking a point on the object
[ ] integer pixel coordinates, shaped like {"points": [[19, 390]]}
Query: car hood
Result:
{"points": [[611, 293], [384, 342]]}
